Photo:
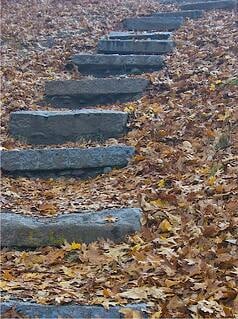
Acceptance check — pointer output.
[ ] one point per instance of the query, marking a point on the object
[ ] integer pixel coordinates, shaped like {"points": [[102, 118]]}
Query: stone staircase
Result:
{"points": [[136, 49]]}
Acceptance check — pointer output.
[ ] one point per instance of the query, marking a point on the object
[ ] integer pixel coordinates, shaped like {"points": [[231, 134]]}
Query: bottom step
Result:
{"points": [[32, 232], [59, 162], [33, 310]]}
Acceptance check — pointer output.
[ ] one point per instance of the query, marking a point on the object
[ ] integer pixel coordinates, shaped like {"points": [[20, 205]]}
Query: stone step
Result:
{"points": [[59, 162], [192, 14], [31, 232], [135, 47], [210, 5], [114, 64], [129, 35], [75, 94], [153, 23], [29, 309], [47, 127]]}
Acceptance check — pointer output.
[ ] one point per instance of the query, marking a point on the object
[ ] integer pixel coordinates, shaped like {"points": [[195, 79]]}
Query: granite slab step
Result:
{"points": [[33, 310], [59, 162], [135, 47], [130, 35], [23, 231], [75, 94], [192, 14], [153, 23], [210, 5], [114, 64], [53, 127]]}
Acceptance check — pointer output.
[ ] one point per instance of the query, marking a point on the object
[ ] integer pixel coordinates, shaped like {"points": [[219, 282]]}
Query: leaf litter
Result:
{"points": [[184, 174]]}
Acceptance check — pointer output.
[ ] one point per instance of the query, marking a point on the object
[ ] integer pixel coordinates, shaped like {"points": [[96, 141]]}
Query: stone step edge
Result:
{"points": [[152, 23], [138, 35], [23, 231], [209, 5], [193, 14], [100, 86], [34, 310], [116, 59], [58, 127], [65, 158]]}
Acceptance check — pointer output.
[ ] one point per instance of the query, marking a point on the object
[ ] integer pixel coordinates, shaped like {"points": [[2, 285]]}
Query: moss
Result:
{"points": [[33, 238]]}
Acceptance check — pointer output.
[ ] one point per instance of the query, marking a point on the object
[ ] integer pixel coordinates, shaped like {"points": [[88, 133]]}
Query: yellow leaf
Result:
{"points": [[3, 284], [7, 275], [74, 246], [212, 87], [136, 248], [218, 82], [159, 202], [161, 183], [130, 108], [165, 226], [211, 180], [219, 189], [156, 315], [107, 292]]}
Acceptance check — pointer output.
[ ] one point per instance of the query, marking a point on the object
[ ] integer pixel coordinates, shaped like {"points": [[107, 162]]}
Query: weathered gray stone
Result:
{"points": [[135, 47], [80, 93], [210, 5], [139, 36], [47, 127], [31, 232], [33, 310], [192, 14], [80, 162], [109, 64], [153, 23]]}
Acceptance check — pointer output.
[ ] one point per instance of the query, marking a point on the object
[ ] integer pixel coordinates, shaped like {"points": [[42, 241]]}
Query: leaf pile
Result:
{"points": [[184, 174]]}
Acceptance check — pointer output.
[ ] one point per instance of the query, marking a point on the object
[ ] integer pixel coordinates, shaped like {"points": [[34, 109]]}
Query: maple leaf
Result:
{"points": [[165, 226], [7, 275], [159, 202], [74, 246], [161, 183]]}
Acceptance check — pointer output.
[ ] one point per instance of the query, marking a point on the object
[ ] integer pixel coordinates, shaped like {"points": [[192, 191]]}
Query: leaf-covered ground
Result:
{"points": [[184, 175]]}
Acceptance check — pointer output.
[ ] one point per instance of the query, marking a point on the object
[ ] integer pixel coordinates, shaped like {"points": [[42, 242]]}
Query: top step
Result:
{"points": [[153, 23], [192, 14], [139, 36], [210, 5]]}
